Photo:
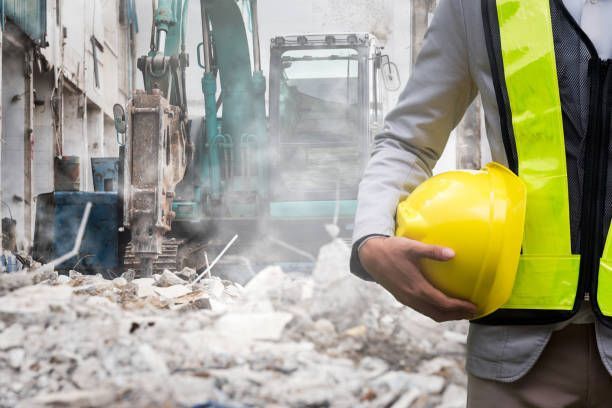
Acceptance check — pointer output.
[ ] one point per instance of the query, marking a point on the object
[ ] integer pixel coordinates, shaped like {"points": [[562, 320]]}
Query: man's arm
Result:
{"points": [[416, 131]]}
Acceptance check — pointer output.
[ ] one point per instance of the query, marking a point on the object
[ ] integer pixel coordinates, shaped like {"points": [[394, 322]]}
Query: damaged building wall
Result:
{"points": [[13, 107], [77, 77], [93, 59], [43, 124]]}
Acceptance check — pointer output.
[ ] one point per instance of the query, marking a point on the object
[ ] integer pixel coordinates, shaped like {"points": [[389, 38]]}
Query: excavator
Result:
{"points": [[282, 179], [287, 177]]}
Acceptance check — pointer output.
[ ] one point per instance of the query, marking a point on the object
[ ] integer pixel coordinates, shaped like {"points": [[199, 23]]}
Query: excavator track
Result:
{"points": [[167, 260]]}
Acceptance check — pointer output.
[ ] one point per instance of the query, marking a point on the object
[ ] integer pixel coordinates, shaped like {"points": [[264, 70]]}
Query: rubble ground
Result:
{"points": [[283, 340]]}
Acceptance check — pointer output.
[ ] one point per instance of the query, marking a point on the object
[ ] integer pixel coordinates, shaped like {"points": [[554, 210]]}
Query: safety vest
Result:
{"points": [[552, 282]]}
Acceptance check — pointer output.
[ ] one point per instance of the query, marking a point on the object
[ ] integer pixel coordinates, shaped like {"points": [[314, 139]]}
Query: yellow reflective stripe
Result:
{"points": [[546, 283], [607, 252], [547, 278], [604, 286], [604, 280], [528, 54]]}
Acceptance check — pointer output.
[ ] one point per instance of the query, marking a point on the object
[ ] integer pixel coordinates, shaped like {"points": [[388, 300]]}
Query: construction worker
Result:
{"points": [[544, 72]]}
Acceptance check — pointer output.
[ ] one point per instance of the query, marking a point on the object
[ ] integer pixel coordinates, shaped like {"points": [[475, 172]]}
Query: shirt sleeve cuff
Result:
{"points": [[356, 267]]}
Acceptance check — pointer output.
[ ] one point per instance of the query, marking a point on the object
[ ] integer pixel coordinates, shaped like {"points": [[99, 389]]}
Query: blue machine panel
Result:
{"points": [[105, 171], [58, 216]]}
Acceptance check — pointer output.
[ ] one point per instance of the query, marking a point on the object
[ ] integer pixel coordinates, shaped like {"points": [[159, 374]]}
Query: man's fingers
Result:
{"points": [[434, 252], [446, 304], [435, 313]]}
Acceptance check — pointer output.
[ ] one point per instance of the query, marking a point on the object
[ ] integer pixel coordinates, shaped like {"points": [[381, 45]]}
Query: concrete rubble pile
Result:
{"points": [[282, 340]]}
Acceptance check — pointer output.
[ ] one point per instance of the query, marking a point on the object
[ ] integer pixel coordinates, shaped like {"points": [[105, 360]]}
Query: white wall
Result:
{"points": [[13, 84], [43, 135], [88, 117]]}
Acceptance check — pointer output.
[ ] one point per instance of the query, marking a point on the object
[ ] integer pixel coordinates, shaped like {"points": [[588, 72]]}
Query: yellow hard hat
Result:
{"points": [[481, 216]]}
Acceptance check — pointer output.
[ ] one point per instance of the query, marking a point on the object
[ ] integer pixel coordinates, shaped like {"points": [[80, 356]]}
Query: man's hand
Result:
{"points": [[394, 263]]}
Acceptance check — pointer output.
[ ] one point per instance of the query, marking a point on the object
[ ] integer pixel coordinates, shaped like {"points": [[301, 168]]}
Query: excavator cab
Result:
{"points": [[325, 106]]}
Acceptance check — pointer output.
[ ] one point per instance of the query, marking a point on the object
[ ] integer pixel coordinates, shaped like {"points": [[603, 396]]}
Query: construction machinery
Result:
{"points": [[188, 184], [325, 106]]}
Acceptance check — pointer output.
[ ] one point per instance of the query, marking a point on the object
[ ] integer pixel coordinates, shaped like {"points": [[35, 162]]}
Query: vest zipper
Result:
{"points": [[595, 174]]}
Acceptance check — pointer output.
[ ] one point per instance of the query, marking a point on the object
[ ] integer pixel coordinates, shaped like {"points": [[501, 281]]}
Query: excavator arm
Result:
{"points": [[157, 143], [158, 147]]}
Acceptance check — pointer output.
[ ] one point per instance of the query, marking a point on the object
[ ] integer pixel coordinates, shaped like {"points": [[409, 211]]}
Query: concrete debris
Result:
{"points": [[285, 339], [454, 397], [11, 337], [187, 274], [167, 279], [16, 280], [62, 280], [172, 292], [129, 275], [253, 326], [15, 357], [144, 287]]}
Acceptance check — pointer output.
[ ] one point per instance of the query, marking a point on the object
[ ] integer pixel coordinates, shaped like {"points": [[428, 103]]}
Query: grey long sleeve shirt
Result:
{"points": [[452, 68]]}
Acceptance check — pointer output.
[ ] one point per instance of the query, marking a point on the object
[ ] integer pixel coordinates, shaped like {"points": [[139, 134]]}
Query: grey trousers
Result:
{"points": [[568, 374]]}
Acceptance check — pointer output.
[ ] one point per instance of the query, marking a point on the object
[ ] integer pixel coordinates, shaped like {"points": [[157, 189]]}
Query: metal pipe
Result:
{"points": [[153, 46], [183, 23], [207, 271], [161, 41], [205, 38], [256, 51]]}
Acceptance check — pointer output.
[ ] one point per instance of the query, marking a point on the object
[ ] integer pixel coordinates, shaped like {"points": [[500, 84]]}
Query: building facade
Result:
{"points": [[64, 64]]}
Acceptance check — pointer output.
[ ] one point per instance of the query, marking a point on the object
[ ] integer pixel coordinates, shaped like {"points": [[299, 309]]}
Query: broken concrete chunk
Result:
{"points": [[332, 262], [96, 288], [155, 361], [357, 331], [15, 357], [435, 365], [432, 384], [84, 398], [191, 391], [267, 283], [120, 282], [460, 338], [172, 292], [15, 280], [188, 274], [454, 397], [407, 399], [129, 275], [87, 373], [373, 366], [214, 286], [74, 274], [168, 278], [145, 287], [201, 303], [13, 336], [254, 326], [63, 280], [326, 327]]}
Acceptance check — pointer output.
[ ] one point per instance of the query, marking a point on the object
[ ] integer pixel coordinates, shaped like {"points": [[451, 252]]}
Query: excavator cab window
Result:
{"points": [[319, 123]]}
